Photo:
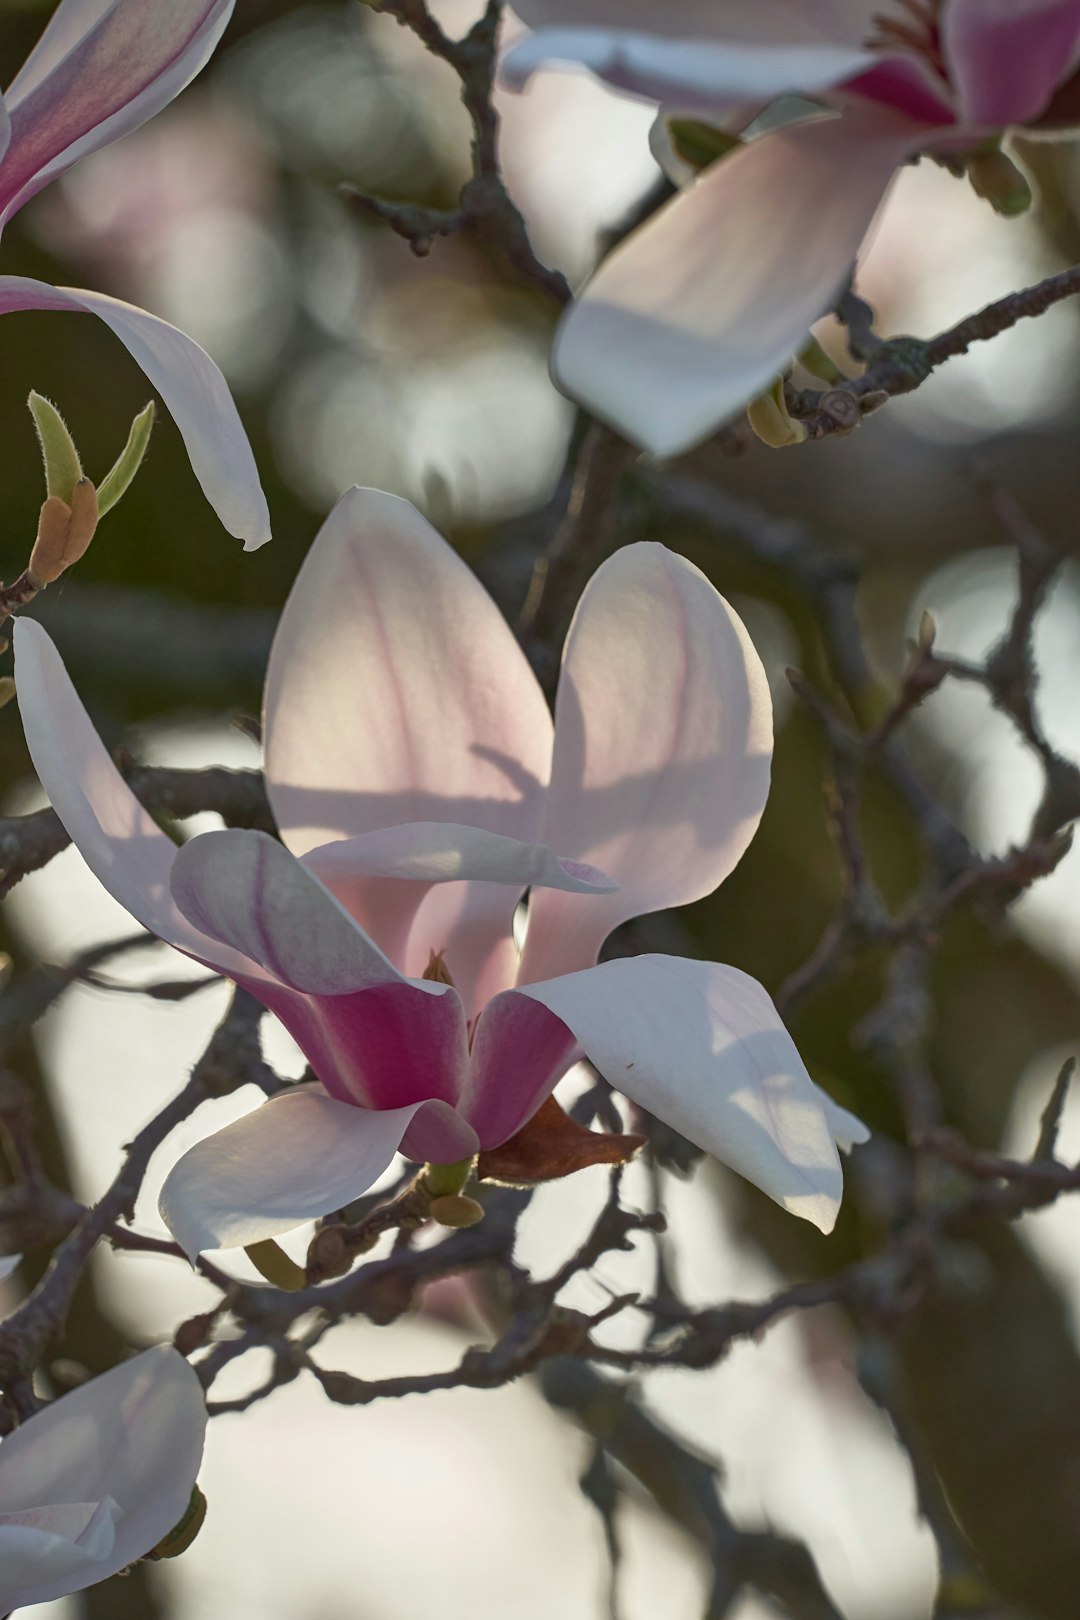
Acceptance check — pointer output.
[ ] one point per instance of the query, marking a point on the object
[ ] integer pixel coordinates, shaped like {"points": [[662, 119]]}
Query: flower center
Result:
{"points": [[917, 29]]}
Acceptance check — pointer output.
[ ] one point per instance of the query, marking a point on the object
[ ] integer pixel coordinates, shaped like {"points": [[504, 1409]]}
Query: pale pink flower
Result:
{"points": [[698, 311], [96, 1480], [101, 68], [420, 790]]}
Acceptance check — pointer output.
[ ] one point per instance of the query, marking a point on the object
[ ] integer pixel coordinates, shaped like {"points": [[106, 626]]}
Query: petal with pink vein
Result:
{"points": [[699, 309], [396, 691], [702, 1047], [246, 890], [192, 388], [663, 740], [97, 72]]}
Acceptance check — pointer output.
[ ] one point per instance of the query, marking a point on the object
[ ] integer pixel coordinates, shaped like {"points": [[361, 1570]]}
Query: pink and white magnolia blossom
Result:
{"points": [[420, 789], [699, 309], [100, 69], [96, 1480]]}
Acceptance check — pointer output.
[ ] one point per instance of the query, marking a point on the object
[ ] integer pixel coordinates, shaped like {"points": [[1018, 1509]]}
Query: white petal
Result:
{"points": [[663, 739], [702, 1047], [847, 1128], [58, 1548], [193, 389], [698, 311], [699, 73], [122, 845], [245, 889], [9, 1264], [296, 1157], [780, 23], [134, 1435]]}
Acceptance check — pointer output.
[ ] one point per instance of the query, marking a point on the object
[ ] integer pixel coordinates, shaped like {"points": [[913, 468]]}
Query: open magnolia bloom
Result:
{"points": [[102, 68], [699, 309], [412, 769], [96, 1480]]}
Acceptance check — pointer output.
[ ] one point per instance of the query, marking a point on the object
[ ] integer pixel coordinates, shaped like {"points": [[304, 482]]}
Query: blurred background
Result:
{"points": [[353, 361]]}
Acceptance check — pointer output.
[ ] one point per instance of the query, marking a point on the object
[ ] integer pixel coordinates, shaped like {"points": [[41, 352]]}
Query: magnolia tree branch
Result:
{"points": [[900, 365], [485, 208]]}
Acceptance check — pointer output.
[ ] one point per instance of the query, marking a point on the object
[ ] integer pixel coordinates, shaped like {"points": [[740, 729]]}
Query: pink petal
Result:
{"points": [[1007, 57], [296, 1157], [699, 310], [384, 1047], [122, 845], [520, 1052], [703, 73], [245, 889], [396, 693], [132, 1438], [663, 740], [702, 1047], [97, 72], [192, 388]]}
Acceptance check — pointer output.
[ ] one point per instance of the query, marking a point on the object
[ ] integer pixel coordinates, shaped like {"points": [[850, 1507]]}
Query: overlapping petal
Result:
{"points": [[296, 1157], [703, 1048], [1007, 57], [192, 388], [108, 1469], [663, 739], [99, 70], [245, 889], [697, 311]]}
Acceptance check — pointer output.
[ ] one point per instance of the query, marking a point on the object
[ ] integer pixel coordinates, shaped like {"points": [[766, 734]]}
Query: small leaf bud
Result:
{"points": [[64, 532], [769, 418]]}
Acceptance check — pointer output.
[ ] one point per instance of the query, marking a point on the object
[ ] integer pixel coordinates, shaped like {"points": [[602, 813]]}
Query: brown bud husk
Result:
{"points": [[64, 532], [553, 1145]]}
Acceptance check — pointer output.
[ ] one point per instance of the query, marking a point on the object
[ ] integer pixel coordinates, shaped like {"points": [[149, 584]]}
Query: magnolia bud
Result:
{"points": [[454, 1209], [181, 1536], [1005, 186]]}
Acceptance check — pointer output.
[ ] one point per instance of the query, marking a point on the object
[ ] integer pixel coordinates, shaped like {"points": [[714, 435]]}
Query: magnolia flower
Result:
{"points": [[101, 68], [419, 789], [96, 1480], [698, 310]]}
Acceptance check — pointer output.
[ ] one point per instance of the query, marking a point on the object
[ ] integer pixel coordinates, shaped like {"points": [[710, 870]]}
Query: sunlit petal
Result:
{"points": [[296, 1157], [702, 1047]]}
